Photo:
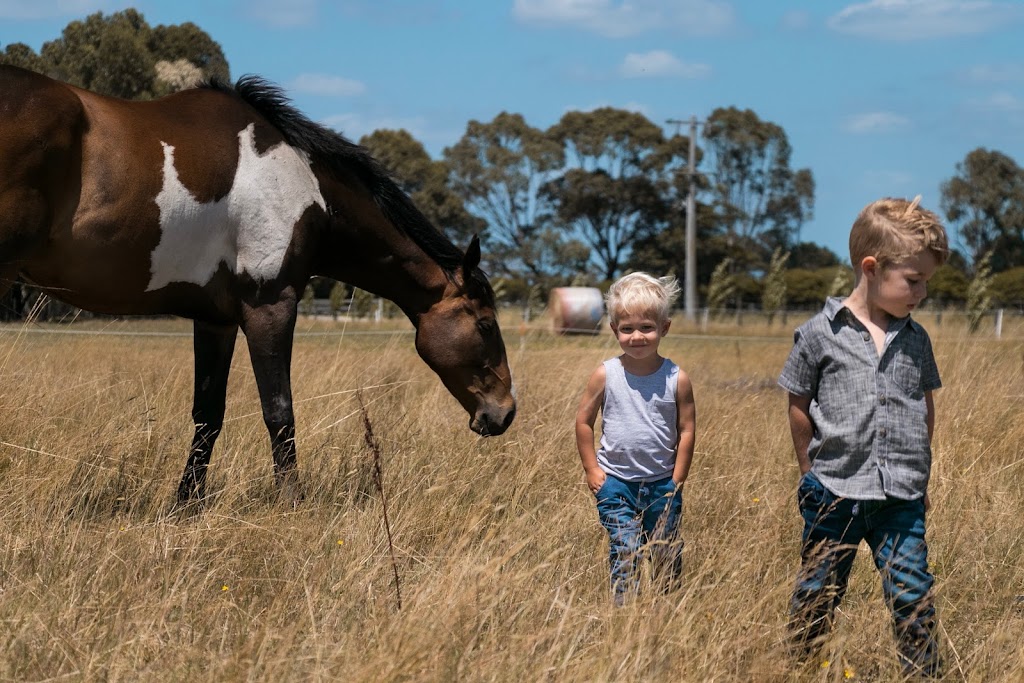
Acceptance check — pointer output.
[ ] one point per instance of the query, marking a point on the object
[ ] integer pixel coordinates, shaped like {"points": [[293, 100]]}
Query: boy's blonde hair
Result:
{"points": [[639, 294], [893, 229]]}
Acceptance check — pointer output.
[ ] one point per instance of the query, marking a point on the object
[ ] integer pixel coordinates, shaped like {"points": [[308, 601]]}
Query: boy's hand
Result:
{"points": [[595, 479]]}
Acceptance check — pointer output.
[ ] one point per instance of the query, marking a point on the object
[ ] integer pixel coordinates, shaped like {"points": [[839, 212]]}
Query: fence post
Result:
{"points": [[999, 324]]}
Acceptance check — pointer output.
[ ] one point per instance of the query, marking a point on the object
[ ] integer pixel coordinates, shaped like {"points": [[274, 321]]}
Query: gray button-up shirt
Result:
{"points": [[869, 413]]}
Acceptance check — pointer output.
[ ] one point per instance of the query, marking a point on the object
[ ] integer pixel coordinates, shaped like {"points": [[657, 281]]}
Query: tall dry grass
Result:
{"points": [[501, 561]]}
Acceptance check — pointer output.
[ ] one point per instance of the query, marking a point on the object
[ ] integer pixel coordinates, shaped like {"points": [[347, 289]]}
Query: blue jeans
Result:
{"points": [[641, 517], [894, 530]]}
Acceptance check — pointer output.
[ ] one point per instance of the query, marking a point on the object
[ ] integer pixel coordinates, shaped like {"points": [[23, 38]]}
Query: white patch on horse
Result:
{"points": [[249, 230]]}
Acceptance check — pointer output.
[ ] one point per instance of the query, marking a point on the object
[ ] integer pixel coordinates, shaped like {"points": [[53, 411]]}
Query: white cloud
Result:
{"points": [[661, 64], [986, 74], [323, 84], [906, 20], [875, 122], [621, 18], [51, 9], [1000, 103], [283, 14]]}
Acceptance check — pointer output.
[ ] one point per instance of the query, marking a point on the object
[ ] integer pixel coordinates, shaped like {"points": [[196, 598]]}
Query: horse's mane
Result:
{"points": [[342, 156]]}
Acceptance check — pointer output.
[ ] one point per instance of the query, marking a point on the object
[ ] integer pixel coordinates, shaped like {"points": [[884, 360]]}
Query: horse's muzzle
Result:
{"points": [[492, 422]]}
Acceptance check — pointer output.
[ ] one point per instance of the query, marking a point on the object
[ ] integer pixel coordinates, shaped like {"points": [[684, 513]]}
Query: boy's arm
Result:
{"points": [[802, 428], [687, 427], [586, 416], [930, 404], [930, 418]]}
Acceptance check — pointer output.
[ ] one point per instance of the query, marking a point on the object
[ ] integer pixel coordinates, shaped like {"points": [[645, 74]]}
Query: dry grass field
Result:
{"points": [[501, 562]]}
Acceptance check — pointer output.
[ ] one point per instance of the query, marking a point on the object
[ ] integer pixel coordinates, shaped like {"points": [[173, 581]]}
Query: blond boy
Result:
{"points": [[860, 379], [648, 428]]}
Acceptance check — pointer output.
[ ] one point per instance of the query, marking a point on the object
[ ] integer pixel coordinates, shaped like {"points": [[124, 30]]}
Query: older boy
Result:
{"points": [[648, 426], [860, 379]]}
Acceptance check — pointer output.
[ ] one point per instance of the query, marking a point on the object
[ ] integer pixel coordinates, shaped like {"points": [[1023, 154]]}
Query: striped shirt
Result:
{"points": [[869, 412]]}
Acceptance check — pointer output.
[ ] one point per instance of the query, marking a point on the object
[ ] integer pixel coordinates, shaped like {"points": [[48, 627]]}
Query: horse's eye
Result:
{"points": [[487, 326]]}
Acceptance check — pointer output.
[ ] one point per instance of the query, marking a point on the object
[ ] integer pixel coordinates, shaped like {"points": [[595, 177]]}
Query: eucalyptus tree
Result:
{"points": [[118, 54], [618, 186], [498, 169], [985, 200], [761, 202], [425, 181]]}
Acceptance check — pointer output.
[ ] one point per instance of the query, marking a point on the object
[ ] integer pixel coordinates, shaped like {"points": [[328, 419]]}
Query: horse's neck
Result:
{"points": [[365, 250]]}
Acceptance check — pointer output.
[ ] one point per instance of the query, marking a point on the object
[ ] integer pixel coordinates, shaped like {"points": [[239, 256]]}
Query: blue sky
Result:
{"points": [[878, 97]]}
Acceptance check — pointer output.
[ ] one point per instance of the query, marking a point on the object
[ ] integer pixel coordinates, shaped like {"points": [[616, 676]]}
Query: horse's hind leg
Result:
{"points": [[268, 331], [214, 346]]}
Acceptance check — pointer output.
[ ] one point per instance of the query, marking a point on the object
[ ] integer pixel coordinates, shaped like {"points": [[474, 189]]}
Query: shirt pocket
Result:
{"points": [[906, 374], [663, 412]]}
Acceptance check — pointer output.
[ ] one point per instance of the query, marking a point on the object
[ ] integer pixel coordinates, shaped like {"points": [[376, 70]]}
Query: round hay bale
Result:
{"points": [[576, 310]]}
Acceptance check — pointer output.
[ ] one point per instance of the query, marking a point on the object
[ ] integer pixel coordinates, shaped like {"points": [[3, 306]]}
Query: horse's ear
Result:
{"points": [[472, 259]]}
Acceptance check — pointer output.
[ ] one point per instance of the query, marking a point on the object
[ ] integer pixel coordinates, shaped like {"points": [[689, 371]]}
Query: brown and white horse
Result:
{"points": [[218, 204]]}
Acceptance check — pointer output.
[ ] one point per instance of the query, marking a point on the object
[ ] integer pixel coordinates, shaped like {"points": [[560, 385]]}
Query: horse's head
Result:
{"points": [[459, 339]]}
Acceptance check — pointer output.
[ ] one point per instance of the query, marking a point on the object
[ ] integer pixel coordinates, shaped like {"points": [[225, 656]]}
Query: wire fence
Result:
{"points": [[520, 321]]}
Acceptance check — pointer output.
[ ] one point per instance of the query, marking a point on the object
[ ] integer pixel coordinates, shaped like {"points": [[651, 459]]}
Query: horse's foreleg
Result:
{"points": [[214, 346], [268, 332]]}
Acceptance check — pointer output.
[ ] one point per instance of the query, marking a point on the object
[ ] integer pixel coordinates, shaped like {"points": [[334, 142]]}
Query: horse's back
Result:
{"points": [[173, 191]]}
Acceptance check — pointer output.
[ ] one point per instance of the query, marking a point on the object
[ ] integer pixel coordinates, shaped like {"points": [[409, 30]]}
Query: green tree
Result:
{"points": [[618, 185], [761, 202], [1008, 287], [425, 181], [306, 303], [337, 299], [362, 303], [948, 285], [190, 43], [498, 169], [121, 55], [811, 255], [105, 53], [985, 200], [20, 54]]}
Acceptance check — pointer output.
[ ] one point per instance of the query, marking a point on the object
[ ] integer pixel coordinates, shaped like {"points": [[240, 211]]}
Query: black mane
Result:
{"points": [[340, 155]]}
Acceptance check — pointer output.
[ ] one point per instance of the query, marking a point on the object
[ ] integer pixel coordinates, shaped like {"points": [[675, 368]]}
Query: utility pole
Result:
{"points": [[690, 279]]}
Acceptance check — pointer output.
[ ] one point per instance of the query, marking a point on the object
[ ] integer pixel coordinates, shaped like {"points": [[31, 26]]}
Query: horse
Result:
{"points": [[218, 204]]}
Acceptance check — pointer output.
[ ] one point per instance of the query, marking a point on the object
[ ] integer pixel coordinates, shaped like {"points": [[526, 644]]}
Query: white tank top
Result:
{"points": [[639, 422]]}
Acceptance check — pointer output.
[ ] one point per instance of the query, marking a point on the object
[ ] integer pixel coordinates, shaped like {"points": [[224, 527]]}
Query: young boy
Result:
{"points": [[648, 428], [860, 379]]}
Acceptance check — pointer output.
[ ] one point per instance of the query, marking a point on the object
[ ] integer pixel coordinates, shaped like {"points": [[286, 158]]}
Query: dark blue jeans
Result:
{"points": [[641, 518], [894, 530]]}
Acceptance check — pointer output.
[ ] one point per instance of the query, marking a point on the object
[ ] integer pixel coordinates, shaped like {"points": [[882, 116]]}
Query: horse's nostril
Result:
{"points": [[508, 419]]}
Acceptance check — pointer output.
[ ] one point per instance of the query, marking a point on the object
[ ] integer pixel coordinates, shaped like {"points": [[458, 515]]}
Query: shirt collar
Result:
{"points": [[834, 304]]}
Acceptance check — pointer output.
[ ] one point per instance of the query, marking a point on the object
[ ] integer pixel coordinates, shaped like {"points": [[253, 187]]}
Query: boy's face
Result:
{"points": [[902, 286], [640, 335]]}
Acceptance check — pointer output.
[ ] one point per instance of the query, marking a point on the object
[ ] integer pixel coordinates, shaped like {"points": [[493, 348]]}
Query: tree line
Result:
{"points": [[599, 192]]}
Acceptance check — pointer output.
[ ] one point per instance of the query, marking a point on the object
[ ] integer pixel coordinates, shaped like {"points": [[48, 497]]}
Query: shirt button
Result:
{"points": [[881, 432], [881, 399], [867, 336]]}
